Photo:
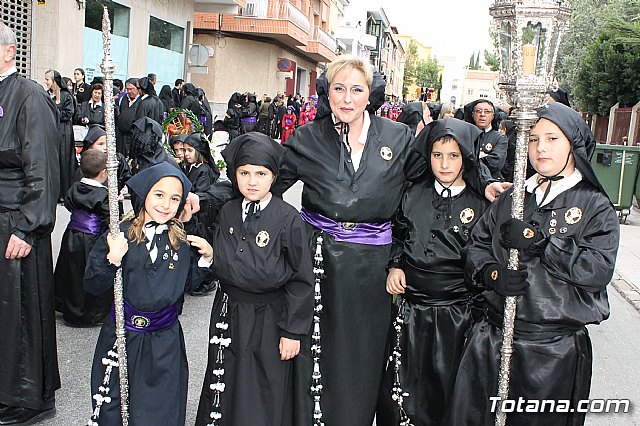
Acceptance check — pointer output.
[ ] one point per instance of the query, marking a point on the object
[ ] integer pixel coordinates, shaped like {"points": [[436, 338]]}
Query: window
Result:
{"points": [[165, 35], [470, 92], [17, 15], [118, 14]]}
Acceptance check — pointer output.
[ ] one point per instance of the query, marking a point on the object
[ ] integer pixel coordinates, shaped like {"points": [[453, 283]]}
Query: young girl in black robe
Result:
{"points": [[265, 302], [159, 264], [426, 271], [88, 202], [568, 241]]}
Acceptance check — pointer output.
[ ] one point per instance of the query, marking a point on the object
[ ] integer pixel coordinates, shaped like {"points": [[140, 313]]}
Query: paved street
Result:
{"points": [[616, 372]]}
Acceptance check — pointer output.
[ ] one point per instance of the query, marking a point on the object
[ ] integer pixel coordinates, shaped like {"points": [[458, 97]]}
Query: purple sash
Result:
{"points": [[86, 222], [249, 119], [375, 234], [147, 322]]}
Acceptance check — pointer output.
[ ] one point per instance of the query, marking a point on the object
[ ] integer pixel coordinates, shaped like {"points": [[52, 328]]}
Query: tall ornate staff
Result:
{"points": [[108, 68], [529, 33]]}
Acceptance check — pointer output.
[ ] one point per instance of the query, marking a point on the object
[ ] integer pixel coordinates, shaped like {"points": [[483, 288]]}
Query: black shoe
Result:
{"points": [[204, 288], [24, 416]]}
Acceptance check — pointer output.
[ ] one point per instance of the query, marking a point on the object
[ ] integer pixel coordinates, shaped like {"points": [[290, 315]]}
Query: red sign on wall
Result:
{"points": [[284, 65]]}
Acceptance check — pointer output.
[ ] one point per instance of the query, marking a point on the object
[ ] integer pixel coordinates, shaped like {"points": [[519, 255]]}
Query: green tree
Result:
{"points": [[624, 32], [411, 60], [608, 74], [588, 18], [491, 60], [419, 71]]}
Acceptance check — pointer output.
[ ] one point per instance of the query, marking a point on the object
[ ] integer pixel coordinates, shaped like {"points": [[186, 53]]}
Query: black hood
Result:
{"points": [[376, 94], [94, 133], [200, 143], [58, 79], [579, 134], [468, 112], [145, 137], [236, 98], [464, 133], [253, 148], [189, 89], [142, 182], [146, 85], [411, 114]]}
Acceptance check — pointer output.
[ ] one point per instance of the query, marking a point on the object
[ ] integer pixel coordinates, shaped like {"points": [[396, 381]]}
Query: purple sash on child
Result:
{"points": [[375, 234], [147, 322], [86, 222], [249, 119]]}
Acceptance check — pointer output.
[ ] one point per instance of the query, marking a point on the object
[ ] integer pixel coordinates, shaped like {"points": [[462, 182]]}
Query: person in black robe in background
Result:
{"points": [[146, 148], [81, 89], [568, 241], [66, 145], [177, 93], [88, 202], [354, 170], [128, 109], [190, 100], [29, 188], [205, 116], [159, 264], [92, 111], [262, 260], [426, 271], [491, 146], [166, 98], [150, 104]]}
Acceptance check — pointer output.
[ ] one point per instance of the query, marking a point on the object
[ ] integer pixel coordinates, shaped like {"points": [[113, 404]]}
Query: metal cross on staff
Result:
{"points": [[529, 33], [108, 68]]}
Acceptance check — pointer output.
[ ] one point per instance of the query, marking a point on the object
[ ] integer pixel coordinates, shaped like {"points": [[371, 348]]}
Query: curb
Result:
{"points": [[626, 290]]}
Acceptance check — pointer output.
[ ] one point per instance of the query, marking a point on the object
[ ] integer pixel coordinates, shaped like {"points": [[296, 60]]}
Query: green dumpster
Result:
{"points": [[617, 169]]}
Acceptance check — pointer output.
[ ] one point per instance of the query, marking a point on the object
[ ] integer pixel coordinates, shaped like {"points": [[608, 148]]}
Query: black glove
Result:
{"points": [[503, 281], [520, 235]]}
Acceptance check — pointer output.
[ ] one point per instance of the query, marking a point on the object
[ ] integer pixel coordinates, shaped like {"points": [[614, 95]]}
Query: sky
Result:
{"points": [[452, 27]]}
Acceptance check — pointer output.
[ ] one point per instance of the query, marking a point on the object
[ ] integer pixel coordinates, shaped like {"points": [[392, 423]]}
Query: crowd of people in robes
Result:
{"points": [[381, 299]]}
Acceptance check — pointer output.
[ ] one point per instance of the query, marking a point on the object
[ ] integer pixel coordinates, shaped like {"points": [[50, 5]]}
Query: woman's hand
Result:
{"points": [[118, 247], [396, 281], [203, 246], [289, 348]]}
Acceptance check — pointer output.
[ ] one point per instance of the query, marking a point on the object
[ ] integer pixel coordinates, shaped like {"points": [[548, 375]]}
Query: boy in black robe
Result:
{"points": [[265, 303], [426, 271], [88, 202], [568, 241]]}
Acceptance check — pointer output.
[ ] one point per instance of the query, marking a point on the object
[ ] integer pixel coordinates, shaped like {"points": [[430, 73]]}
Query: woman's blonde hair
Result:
{"points": [[177, 234], [445, 108], [349, 62], [54, 87]]}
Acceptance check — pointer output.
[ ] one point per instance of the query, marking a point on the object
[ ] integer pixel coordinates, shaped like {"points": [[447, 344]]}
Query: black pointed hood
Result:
{"points": [[253, 148], [464, 133], [579, 134]]}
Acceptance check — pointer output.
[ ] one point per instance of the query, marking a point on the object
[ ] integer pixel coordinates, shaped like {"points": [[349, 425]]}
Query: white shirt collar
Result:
{"points": [[94, 104], [455, 190], [365, 127], [557, 187], [92, 182], [262, 205], [8, 72]]}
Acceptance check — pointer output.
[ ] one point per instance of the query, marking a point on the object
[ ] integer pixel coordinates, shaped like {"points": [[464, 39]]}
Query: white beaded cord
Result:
{"points": [[316, 349], [102, 396], [222, 341], [397, 394]]}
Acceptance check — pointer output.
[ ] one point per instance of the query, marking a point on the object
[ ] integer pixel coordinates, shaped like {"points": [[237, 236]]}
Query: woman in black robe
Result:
{"points": [[81, 89], [426, 271], [159, 265], [265, 302], [66, 145], [167, 98], [352, 163], [568, 241]]}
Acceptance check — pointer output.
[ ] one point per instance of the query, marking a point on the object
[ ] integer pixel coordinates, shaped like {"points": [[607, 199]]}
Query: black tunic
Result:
{"points": [[82, 92], [95, 114], [202, 176], [270, 292], [357, 308], [67, 146], [29, 187], [157, 361], [125, 120], [430, 232], [552, 358], [152, 107], [492, 151], [78, 307]]}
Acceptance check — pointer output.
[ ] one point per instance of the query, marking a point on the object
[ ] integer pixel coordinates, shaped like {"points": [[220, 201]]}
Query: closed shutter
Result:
{"points": [[17, 14]]}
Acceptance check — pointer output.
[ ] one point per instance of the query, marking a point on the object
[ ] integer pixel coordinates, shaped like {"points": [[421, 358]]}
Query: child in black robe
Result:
{"points": [[426, 271], [265, 303], [567, 241], [201, 170], [159, 264], [88, 202]]}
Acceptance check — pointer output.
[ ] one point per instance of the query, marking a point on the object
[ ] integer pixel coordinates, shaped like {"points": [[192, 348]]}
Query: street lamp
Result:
{"points": [[529, 33]]}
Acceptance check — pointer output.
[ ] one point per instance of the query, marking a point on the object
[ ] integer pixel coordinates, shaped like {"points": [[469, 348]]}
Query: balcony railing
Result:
{"points": [[277, 9], [322, 37]]}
